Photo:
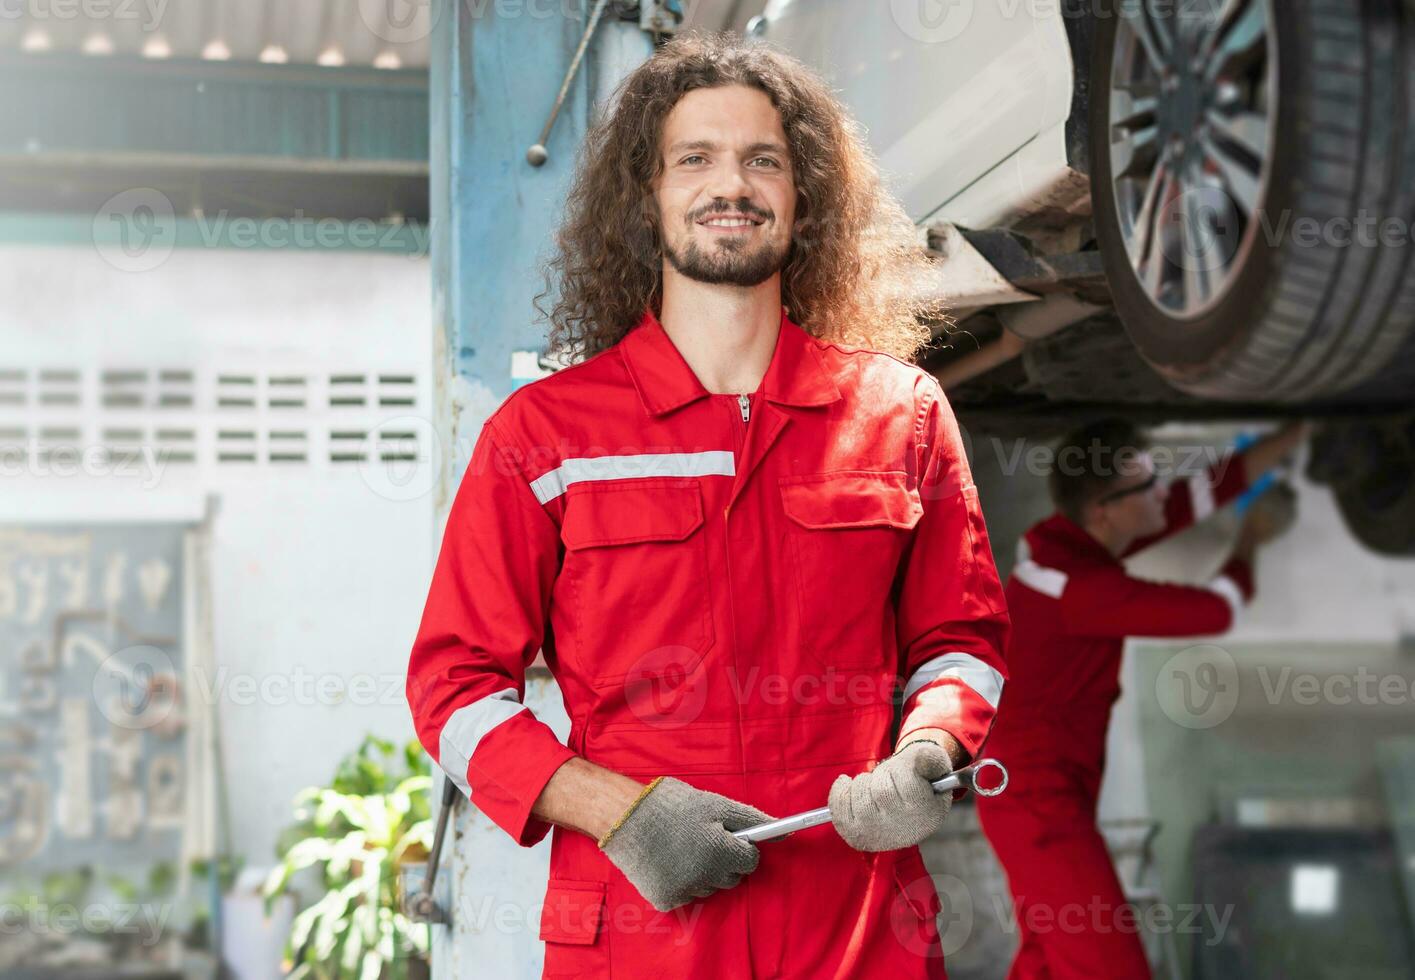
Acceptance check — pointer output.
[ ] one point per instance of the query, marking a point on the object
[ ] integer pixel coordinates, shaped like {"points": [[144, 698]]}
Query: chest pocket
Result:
{"points": [[636, 574], [847, 530]]}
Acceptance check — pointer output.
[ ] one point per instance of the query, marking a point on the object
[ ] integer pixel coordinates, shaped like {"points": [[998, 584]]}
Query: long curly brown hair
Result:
{"points": [[857, 272]]}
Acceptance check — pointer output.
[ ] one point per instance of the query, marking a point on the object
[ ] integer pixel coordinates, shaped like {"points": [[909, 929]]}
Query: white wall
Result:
{"points": [[319, 569]]}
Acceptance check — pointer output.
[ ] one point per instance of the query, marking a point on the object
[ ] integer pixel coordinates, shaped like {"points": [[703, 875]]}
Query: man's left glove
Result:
{"points": [[893, 805]]}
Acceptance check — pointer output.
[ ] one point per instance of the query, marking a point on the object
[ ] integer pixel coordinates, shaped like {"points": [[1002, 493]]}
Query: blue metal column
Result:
{"points": [[494, 77]]}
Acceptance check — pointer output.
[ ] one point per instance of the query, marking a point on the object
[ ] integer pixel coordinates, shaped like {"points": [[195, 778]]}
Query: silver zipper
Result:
{"points": [[746, 406]]}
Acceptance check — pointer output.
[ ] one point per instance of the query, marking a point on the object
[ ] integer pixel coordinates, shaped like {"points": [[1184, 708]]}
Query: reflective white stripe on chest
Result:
{"points": [[713, 462]]}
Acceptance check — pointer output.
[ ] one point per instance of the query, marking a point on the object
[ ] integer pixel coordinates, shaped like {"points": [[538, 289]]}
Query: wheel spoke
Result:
{"points": [[1197, 242], [1139, 24], [1189, 129], [1165, 34], [1242, 42], [1134, 106], [1218, 25], [1246, 130], [1241, 180], [1152, 273], [1147, 221], [1134, 156]]}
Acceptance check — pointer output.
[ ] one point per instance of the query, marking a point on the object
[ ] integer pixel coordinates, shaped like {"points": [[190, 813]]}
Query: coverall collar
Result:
{"points": [[1075, 539], [795, 375]]}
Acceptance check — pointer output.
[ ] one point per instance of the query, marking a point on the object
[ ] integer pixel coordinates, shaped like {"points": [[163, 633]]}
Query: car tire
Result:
{"points": [[1370, 467], [1297, 311]]}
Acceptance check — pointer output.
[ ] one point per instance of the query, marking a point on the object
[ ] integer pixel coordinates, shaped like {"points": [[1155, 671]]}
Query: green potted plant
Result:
{"points": [[353, 834]]}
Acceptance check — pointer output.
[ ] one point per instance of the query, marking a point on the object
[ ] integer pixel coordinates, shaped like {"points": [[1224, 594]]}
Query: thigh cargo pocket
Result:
{"points": [[572, 927]]}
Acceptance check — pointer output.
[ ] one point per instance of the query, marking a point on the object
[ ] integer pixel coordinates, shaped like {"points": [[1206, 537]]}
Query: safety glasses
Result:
{"points": [[1137, 488]]}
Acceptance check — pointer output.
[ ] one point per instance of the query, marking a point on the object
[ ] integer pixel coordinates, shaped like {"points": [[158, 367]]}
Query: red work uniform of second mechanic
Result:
{"points": [[1073, 604]]}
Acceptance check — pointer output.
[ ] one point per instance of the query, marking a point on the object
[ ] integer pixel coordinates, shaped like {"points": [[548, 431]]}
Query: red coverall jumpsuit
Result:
{"points": [[727, 591], [1073, 605]]}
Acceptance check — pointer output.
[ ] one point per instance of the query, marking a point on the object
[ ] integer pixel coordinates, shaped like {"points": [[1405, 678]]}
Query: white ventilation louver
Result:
{"points": [[241, 420], [59, 387], [12, 387]]}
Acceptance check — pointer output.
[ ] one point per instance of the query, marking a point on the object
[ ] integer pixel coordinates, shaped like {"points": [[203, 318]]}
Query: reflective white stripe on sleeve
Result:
{"points": [[1201, 495], [967, 668], [467, 726], [713, 462], [1227, 590], [1039, 578]]}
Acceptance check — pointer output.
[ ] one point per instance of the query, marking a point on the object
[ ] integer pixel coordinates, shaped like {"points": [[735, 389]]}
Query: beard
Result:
{"points": [[730, 263]]}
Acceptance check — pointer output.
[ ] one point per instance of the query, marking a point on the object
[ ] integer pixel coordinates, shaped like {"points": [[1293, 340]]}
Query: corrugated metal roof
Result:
{"points": [[381, 33]]}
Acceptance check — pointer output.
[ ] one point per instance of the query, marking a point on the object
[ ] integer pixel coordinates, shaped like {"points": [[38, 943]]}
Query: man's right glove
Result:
{"points": [[894, 804], [675, 843]]}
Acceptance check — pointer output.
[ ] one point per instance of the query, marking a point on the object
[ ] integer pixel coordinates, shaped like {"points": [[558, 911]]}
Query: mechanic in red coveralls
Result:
{"points": [[1073, 605], [741, 529]]}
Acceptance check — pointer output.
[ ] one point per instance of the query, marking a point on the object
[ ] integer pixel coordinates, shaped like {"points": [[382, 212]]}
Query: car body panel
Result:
{"points": [[965, 102]]}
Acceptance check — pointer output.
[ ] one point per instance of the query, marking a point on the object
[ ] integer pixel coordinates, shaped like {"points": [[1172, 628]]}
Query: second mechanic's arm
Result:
{"points": [[1113, 603], [1271, 450], [1193, 499]]}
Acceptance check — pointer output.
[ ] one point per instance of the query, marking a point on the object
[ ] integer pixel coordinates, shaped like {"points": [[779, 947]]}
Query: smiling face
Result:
{"points": [[726, 196]]}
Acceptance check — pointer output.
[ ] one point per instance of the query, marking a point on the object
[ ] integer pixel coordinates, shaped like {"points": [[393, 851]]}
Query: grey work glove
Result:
{"points": [[675, 844], [892, 805], [1272, 514]]}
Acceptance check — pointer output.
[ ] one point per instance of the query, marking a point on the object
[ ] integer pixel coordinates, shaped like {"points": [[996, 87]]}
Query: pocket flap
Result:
{"points": [[851, 498], [623, 513], [573, 911]]}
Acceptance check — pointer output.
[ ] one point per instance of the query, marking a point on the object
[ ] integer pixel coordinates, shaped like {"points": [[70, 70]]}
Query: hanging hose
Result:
{"points": [[538, 154]]}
